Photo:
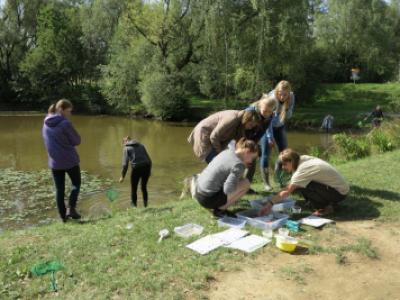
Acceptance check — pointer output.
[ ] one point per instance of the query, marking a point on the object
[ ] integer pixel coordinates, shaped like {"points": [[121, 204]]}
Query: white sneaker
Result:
{"points": [[186, 188], [193, 186], [267, 187]]}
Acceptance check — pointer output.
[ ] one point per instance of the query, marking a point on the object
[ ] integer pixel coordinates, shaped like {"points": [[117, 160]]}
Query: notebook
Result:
{"points": [[315, 221]]}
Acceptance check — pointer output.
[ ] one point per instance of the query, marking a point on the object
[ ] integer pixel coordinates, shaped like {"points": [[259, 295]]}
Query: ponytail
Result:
{"points": [[60, 105]]}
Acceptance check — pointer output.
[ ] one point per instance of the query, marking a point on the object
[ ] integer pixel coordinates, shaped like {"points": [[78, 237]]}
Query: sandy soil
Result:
{"points": [[279, 276]]}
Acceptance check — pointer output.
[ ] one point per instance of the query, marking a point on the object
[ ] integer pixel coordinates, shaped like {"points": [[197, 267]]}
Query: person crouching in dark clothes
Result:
{"points": [[135, 153]]}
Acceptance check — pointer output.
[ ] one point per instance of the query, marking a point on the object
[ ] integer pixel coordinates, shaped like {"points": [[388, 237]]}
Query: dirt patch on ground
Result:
{"points": [[280, 276]]}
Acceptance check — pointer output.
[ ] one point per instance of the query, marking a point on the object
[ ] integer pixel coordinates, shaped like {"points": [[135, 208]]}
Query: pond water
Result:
{"points": [[22, 148]]}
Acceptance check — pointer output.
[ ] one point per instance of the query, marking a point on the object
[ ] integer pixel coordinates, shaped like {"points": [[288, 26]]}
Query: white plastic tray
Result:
{"points": [[188, 230]]}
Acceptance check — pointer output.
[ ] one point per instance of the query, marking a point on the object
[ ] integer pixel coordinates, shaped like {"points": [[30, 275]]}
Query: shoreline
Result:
{"points": [[298, 126]]}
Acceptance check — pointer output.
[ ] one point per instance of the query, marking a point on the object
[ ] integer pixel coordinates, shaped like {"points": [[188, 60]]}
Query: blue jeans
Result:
{"points": [[280, 140], [59, 182]]}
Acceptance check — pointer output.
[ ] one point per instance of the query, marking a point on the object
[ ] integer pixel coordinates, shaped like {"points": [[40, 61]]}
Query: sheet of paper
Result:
{"points": [[249, 243], [315, 221], [205, 244], [230, 235], [211, 242]]}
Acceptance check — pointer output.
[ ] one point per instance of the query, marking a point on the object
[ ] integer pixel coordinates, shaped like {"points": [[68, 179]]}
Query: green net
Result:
{"points": [[48, 267], [282, 177], [112, 194]]}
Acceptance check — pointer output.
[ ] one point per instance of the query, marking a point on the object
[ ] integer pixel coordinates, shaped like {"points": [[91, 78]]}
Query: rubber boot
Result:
{"points": [[193, 186], [265, 178]]}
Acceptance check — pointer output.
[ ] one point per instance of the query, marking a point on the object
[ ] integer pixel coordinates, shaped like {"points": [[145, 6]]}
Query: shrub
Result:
{"points": [[381, 140], [318, 151], [163, 95], [351, 147]]}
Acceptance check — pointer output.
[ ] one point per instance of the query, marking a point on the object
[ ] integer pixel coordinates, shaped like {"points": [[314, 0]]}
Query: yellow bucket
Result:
{"points": [[286, 243]]}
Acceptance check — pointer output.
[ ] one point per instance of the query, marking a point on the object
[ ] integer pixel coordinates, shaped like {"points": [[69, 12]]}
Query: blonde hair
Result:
{"points": [[61, 104], [266, 100], [283, 85]]}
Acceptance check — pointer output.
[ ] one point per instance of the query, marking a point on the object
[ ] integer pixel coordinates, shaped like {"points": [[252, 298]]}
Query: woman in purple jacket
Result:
{"points": [[60, 139]]}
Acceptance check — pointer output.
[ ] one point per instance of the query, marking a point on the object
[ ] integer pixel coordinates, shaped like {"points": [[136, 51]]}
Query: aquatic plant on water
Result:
{"points": [[26, 194]]}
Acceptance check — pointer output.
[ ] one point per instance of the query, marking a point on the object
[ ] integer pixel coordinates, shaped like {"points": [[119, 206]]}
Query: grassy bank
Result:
{"points": [[105, 260], [348, 103]]}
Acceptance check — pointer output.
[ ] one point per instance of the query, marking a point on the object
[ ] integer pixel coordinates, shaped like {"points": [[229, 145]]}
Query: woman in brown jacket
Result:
{"points": [[213, 134]]}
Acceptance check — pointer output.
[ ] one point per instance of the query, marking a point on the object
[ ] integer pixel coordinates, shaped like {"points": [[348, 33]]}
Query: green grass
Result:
{"points": [[104, 260], [348, 103]]}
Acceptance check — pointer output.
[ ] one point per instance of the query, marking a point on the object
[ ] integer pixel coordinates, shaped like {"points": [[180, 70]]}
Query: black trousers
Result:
{"points": [[320, 195], [142, 174], [59, 182]]}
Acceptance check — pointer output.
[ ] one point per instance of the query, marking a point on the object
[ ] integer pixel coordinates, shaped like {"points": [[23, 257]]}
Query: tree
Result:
{"points": [[160, 39], [358, 33], [99, 19], [55, 67], [17, 36]]}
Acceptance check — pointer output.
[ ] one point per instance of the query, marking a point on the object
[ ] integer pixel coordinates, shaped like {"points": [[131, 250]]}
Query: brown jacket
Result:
{"points": [[216, 131]]}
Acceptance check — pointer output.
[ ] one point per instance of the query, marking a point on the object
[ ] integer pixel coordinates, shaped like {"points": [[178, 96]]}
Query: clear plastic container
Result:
{"points": [[231, 222], [188, 230], [274, 219], [283, 231], [268, 232], [286, 204]]}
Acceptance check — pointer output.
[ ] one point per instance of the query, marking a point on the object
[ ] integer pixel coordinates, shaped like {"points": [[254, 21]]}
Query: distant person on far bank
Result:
{"points": [[376, 116], [135, 153], [320, 183], [60, 139], [327, 123]]}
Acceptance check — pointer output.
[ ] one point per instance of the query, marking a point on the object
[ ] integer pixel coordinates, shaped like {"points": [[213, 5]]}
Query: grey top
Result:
{"points": [[224, 172], [136, 153]]}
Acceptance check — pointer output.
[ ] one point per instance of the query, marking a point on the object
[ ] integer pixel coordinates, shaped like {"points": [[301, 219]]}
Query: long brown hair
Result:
{"points": [[283, 85], [61, 104], [250, 116]]}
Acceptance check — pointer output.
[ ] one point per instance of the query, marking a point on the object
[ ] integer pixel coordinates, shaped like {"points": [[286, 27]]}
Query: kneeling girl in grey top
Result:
{"points": [[221, 183]]}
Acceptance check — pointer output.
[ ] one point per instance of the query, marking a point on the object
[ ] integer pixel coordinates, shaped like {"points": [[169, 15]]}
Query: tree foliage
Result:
{"points": [[112, 52]]}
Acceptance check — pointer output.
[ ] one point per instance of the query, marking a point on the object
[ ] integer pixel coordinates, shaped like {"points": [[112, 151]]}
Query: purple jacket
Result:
{"points": [[60, 139]]}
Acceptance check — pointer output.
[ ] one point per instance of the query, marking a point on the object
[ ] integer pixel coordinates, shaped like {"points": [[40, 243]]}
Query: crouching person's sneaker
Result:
{"points": [[73, 214], [193, 183], [186, 188]]}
